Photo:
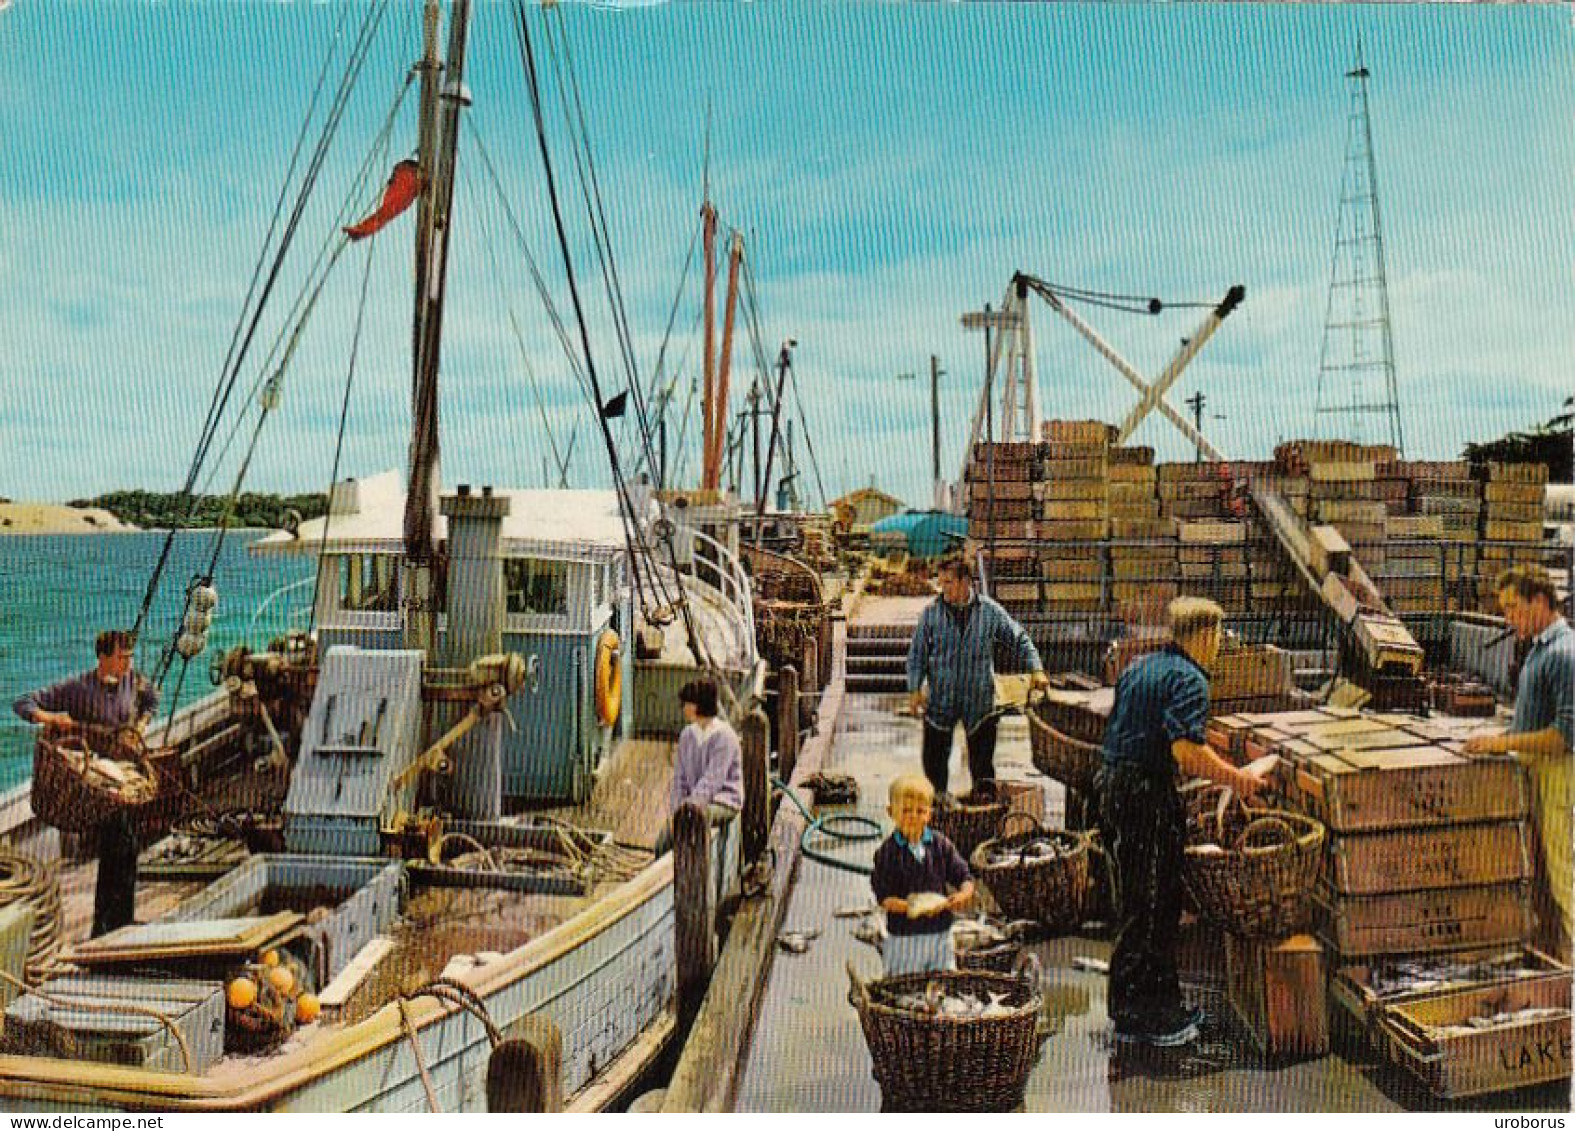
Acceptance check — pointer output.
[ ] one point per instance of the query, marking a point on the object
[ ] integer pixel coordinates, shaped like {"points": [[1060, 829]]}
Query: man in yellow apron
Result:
{"points": [[1542, 734]]}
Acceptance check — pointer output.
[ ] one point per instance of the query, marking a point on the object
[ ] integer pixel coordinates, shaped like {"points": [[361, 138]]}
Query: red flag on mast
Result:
{"points": [[404, 185]]}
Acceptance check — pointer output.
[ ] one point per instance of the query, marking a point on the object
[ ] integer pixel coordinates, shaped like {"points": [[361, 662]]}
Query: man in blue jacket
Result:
{"points": [[953, 652]]}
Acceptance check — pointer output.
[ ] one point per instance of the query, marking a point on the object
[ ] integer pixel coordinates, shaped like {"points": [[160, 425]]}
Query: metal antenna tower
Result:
{"points": [[1358, 343]]}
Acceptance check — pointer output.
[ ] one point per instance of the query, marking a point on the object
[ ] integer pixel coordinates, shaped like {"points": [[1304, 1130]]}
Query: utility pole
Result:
{"points": [[936, 489], [1196, 402]]}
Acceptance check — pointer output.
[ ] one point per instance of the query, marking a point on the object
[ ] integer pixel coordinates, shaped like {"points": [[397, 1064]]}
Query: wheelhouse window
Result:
{"points": [[369, 583], [531, 585]]}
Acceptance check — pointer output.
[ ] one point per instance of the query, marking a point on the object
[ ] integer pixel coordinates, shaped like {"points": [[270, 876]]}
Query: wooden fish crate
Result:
{"points": [[1270, 987], [1351, 986], [1416, 859], [1376, 790], [1423, 921], [1453, 1066], [77, 1025]]}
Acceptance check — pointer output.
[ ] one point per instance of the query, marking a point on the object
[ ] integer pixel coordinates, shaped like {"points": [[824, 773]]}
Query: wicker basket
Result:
{"points": [[974, 818], [1053, 891], [1261, 886], [1071, 761], [65, 798], [1000, 957], [942, 1063]]}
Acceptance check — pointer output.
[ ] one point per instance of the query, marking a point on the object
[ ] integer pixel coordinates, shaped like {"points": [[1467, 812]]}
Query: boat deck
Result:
{"points": [[438, 925]]}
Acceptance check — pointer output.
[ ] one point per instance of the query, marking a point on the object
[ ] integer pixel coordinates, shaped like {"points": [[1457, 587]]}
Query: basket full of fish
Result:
{"points": [[960, 1040], [970, 820], [1040, 874], [986, 943], [82, 778], [1250, 871]]}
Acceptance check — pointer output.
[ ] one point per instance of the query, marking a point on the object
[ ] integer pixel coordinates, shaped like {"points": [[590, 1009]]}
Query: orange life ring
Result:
{"points": [[609, 679]]}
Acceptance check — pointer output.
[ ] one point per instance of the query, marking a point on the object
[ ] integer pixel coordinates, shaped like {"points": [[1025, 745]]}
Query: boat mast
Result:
{"points": [[442, 98]]}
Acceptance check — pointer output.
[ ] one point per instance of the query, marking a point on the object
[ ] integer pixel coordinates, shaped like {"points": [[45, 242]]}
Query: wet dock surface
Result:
{"points": [[808, 1053]]}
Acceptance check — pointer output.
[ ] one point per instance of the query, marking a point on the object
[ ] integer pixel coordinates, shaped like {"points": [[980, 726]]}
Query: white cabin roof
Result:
{"points": [[368, 515]]}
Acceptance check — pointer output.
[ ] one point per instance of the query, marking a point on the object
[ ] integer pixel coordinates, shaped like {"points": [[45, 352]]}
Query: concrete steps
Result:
{"points": [[878, 658]]}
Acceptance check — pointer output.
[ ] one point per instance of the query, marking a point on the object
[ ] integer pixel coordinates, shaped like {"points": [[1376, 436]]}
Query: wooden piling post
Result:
{"points": [[525, 1071], [787, 722], [753, 737], [693, 915]]}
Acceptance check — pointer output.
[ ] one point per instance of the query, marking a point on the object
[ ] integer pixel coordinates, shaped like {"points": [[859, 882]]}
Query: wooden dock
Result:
{"points": [[804, 1051]]}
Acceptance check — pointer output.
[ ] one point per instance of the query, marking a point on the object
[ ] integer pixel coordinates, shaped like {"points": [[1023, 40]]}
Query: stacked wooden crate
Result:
{"points": [[1073, 510], [1428, 858], [1215, 562], [1343, 491], [1193, 491], [1001, 505], [1142, 577], [1445, 490], [1511, 531], [1412, 576]]}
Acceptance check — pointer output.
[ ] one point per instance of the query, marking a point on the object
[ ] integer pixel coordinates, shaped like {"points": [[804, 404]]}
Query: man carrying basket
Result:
{"points": [[1156, 727], [953, 654], [111, 699]]}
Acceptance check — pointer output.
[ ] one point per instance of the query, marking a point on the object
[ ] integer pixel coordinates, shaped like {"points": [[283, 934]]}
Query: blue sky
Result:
{"points": [[891, 165]]}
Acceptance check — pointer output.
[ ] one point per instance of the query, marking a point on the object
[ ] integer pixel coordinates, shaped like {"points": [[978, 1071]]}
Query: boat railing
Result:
{"points": [[714, 572]]}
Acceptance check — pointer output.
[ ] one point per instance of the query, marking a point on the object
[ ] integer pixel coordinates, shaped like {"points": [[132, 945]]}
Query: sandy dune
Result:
{"points": [[48, 518]]}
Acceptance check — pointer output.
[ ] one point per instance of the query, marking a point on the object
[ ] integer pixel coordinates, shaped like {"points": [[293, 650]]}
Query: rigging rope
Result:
{"points": [[230, 371], [602, 230], [371, 164], [519, 337], [553, 316], [339, 438]]}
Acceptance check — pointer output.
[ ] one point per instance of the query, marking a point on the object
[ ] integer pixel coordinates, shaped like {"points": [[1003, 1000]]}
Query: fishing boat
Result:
{"points": [[434, 804]]}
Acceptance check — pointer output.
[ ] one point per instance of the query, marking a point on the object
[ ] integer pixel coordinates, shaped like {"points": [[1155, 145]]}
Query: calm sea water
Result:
{"points": [[58, 593]]}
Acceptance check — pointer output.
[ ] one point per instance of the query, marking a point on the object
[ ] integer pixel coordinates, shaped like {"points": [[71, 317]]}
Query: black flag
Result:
{"points": [[613, 409]]}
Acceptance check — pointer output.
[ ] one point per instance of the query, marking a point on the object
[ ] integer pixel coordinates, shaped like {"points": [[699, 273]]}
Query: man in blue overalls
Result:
{"points": [[953, 651], [1155, 735]]}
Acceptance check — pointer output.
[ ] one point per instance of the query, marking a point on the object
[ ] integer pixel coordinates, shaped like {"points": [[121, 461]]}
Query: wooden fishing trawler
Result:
{"points": [[435, 810]]}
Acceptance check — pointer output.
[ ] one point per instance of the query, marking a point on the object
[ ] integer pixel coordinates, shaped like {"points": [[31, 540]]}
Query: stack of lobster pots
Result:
{"points": [[1424, 901], [1512, 506], [1001, 509], [1143, 559], [1074, 511]]}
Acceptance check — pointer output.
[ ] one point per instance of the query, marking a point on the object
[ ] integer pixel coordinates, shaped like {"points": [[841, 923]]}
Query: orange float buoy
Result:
{"points": [[281, 979], [307, 1009], [242, 993]]}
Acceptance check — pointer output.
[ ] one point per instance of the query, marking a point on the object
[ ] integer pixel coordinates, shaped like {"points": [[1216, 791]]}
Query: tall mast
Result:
{"points": [[442, 97], [709, 440]]}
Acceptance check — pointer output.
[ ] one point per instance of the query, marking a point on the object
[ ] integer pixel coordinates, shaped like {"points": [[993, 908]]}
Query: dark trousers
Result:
{"points": [[115, 897], [937, 754], [1144, 829]]}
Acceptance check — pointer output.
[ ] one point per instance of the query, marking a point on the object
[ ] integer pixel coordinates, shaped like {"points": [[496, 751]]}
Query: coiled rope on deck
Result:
{"points": [[27, 881]]}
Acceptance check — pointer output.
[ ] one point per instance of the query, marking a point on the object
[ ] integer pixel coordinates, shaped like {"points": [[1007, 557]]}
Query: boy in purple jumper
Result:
{"points": [[918, 861], [709, 768]]}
